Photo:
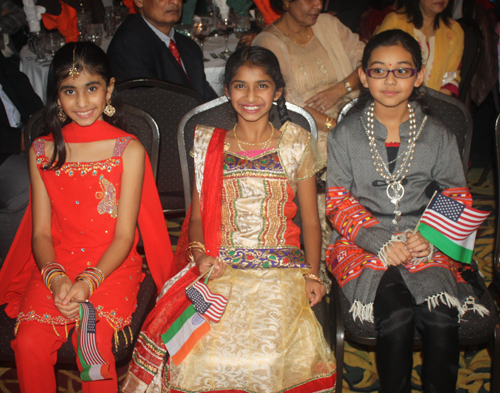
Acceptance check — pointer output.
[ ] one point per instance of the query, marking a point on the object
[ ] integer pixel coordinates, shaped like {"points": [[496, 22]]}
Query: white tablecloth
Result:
{"points": [[37, 72]]}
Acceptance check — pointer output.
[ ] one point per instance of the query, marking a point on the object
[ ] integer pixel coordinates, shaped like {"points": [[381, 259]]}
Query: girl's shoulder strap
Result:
{"points": [[121, 144], [202, 137], [39, 147]]}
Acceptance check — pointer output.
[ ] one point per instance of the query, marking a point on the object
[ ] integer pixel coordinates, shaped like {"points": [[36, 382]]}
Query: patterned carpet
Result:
{"points": [[360, 374]]}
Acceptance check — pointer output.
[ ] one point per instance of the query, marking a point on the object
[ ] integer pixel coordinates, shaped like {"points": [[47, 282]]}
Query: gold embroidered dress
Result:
{"points": [[268, 339], [84, 198]]}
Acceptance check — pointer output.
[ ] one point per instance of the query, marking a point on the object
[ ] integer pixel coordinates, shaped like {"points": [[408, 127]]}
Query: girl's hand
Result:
{"points": [[314, 291], [397, 253], [326, 99], [60, 289], [205, 262], [69, 306], [417, 245]]}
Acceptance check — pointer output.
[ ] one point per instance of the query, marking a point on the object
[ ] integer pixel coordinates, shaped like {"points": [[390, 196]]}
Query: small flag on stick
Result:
{"points": [[451, 226], [94, 367], [205, 302], [185, 332]]}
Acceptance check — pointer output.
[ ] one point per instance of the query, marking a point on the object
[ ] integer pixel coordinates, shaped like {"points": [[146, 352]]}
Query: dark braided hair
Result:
{"points": [[88, 57], [256, 56], [391, 38]]}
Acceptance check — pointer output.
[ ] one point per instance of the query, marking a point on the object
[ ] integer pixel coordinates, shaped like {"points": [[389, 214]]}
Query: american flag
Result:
{"points": [[453, 219], [94, 367], [205, 302]]}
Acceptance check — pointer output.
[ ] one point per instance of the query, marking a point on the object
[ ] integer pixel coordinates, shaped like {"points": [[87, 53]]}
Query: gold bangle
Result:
{"points": [[197, 246], [54, 279], [328, 123], [314, 277], [89, 283]]}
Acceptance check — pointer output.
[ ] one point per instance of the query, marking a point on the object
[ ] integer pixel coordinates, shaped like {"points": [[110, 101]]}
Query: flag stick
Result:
{"points": [[209, 271], [418, 223]]}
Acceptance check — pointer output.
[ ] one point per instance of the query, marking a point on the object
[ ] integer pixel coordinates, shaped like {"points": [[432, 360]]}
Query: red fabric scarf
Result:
{"points": [[15, 273], [168, 305]]}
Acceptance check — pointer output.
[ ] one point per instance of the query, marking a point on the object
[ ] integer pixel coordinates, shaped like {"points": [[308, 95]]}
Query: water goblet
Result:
{"points": [[225, 25], [94, 33], [52, 42], [109, 21], [241, 26], [200, 30], [37, 45]]}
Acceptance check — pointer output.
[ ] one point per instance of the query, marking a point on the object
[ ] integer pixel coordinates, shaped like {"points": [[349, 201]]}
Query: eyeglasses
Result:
{"points": [[381, 73]]}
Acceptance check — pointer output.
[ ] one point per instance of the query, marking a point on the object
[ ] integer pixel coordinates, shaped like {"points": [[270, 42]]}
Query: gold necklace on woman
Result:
{"points": [[285, 25], [265, 144]]}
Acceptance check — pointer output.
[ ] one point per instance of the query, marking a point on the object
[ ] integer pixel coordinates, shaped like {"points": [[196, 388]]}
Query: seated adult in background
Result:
{"points": [[440, 37], [12, 20], [147, 46], [18, 102], [318, 56]]}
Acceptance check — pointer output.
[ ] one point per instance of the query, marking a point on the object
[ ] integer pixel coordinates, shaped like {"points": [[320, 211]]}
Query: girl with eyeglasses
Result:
{"points": [[386, 159]]}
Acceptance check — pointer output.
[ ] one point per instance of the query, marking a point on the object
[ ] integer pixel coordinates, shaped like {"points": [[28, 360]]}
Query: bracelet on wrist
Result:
{"points": [[314, 277], [328, 124], [347, 86], [93, 276], [194, 246]]}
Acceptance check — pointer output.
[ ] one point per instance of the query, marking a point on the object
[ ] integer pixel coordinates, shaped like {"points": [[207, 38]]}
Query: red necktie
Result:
{"points": [[175, 52]]}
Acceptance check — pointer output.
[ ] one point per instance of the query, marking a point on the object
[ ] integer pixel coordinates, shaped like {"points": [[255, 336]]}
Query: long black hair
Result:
{"points": [[88, 57], [412, 9], [390, 38], [256, 56]]}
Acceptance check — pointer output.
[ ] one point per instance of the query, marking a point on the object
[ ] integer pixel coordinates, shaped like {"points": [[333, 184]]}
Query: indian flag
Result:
{"points": [[184, 333], [451, 226]]}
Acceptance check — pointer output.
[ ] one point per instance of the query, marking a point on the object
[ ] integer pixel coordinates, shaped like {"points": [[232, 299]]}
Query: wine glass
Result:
{"points": [[225, 25], [200, 30], [52, 42], [241, 26]]}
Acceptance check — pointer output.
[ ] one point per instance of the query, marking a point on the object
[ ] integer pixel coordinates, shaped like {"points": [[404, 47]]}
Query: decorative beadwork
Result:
{"points": [[241, 258], [120, 145], [267, 162], [108, 203]]}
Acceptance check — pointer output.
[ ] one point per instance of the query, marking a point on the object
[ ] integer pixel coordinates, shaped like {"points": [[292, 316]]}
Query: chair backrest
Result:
{"points": [[451, 111], [219, 113], [471, 58], [139, 123], [167, 103], [496, 257]]}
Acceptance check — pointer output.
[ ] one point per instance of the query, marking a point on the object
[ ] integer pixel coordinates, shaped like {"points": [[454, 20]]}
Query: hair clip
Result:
{"points": [[73, 72]]}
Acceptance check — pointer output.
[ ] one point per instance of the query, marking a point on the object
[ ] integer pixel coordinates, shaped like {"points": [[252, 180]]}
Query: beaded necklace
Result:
{"points": [[265, 144], [395, 190]]}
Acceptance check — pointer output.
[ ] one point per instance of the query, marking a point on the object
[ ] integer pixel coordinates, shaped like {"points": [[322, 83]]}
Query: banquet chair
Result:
{"points": [[166, 102], [220, 113], [143, 126], [475, 330]]}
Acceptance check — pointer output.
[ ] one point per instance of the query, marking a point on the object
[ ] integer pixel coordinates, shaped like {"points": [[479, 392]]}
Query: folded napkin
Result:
{"points": [[66, 22], [131, 6], [33, 14]]}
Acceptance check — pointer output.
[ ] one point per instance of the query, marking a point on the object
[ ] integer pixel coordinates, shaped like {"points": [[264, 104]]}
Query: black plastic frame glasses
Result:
{"points": [[381, 73]]}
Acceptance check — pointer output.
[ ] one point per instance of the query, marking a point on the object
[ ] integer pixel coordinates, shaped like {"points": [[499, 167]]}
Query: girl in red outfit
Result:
{"points": [[90, 185]]}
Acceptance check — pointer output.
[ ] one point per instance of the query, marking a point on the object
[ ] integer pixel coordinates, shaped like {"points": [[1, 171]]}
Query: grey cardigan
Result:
{"points": [[436, 165]]}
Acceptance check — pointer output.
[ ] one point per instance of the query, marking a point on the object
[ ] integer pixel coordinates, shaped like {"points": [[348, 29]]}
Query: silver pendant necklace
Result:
{"points": [[395, 190]]}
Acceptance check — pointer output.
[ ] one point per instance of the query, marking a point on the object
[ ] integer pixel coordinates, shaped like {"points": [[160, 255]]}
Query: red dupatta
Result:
{"points": [[168, 305], [16, 271]]}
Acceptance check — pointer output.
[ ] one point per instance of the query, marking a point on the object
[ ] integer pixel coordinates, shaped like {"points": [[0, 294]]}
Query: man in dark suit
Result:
{"points": [[18, 102], [147, 46]]}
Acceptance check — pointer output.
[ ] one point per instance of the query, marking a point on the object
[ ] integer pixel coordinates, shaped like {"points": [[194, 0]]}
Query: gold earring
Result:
{"points": [[286, 6], [110, 109], [61, 115]]}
